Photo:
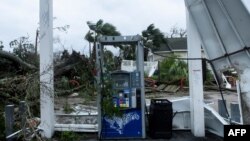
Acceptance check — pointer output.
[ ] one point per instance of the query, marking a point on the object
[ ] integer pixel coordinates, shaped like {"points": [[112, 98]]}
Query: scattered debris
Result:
{"points": [[172, 88], [33, 122], [161, 87], [149, 82], [74, 95]]}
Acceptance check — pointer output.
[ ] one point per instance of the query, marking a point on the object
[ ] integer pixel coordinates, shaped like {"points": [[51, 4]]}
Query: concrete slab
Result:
{"points": [[172, 88], [161, 87]]}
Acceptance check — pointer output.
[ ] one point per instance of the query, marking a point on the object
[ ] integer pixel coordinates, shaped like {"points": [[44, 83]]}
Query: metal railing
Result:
{"points": [[10, 120]]}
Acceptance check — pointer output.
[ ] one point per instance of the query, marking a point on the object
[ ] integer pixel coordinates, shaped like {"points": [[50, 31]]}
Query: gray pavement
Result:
{"points": [[176, 136]]}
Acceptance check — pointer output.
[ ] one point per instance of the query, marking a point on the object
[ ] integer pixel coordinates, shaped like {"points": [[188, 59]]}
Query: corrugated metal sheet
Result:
{"points": [[223, 26], [224, 29]]}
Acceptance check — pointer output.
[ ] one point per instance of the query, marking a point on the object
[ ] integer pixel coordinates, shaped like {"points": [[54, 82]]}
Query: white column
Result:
{"points": [[195, 79], [46, 68]]}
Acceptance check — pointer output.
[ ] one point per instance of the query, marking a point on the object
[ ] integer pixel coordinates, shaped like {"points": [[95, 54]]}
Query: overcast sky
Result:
{"points": [[20, 18]]}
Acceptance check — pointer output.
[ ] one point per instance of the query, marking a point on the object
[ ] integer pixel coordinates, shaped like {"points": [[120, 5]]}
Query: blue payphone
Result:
{"points": [[126, 96]]}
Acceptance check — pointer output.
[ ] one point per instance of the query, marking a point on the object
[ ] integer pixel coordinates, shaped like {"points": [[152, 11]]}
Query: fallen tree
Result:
{"points": [[12, 57], [74, 67]]}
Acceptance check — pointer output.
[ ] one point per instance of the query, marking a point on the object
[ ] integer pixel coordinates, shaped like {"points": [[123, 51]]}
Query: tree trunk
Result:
{"points": [[89, 50], [94, 54], [37, 34], [64, 69], [9, 56]]}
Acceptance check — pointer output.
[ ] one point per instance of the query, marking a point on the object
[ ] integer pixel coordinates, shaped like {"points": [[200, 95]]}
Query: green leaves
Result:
{"points": [[129, 52], [109, 59], [89, 37], [24, 49], [172, 69], [107, 99], [109, 29], [153, 37], [101, 28]]}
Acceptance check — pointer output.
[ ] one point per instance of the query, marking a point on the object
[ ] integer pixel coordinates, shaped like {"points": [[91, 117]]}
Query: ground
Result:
{"points": [[176, 136], [80, 104]]}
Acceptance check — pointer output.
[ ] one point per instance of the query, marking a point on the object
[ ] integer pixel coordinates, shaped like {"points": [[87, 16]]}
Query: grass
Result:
{"points": [[67, 108]]}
